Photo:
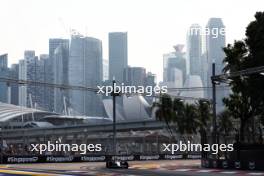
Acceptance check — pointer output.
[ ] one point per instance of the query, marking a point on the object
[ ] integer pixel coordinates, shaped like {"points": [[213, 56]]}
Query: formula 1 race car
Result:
{"points": [[115, 164]]}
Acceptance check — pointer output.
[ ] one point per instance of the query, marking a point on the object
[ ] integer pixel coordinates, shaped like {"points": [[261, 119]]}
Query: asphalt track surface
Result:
{"points": [[147, 168]]}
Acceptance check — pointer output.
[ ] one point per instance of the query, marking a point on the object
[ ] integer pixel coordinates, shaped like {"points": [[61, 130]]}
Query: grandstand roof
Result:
{"points": [[9, 112]]}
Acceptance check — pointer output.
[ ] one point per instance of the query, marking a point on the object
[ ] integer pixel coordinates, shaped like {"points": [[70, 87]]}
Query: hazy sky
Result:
{"points": [[153, 26]]}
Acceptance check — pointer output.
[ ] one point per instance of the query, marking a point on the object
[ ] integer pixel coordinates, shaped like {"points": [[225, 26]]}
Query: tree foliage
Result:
{"points": [[247, 98], [188, 118]]}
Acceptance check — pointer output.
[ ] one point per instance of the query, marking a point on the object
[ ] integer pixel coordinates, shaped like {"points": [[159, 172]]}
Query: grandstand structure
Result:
{"points": [[12, 116], [21, 127]]}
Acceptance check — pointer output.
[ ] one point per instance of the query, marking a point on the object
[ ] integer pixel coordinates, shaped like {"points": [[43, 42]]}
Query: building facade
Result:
{"points": [[61, 75], [31, 68], [105, 70], [215, 54], [150, 79], [85, 69], [172, 61], [49, 62], [117, 55], [135, 76], [14, 74], [194, 49], [3, 73]]}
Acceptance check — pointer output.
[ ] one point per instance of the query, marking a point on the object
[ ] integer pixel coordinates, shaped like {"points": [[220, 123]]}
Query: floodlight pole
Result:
{"points": [[214, 103], [114, 117]]}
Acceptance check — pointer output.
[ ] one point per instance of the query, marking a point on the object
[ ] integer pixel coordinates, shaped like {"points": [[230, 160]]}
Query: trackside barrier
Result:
{"points": [[233, 164], [14, 159]]}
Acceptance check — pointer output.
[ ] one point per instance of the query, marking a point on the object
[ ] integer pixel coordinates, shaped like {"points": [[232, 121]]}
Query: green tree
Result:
{"points": [[178, 108], [164, 110], [247, 99], [225, 125], [204, 115], [173, 111], [191, 121], [188, 119]]}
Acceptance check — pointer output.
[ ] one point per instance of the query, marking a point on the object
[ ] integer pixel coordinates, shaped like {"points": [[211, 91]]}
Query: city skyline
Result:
{"points": [[150, 35], [148, 87]]}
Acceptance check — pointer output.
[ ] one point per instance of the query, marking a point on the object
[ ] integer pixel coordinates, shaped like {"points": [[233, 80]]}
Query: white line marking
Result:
{"points": [[76, 171], [255, 173], [182, 170], [228, 172], [204, 171]]}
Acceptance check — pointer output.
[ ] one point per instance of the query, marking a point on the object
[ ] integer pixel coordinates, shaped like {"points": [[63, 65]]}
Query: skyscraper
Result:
{"points": [[3, 60], [31, 69], [85, 69], [194, 49], [215, 54], [105, 70], [14, 70], [61, 75], [214, 45], [49, 62], [117, 55], [29, 54], [54, 43], [150, 79], [174, 60], [176, 77], [46, 70], [22, 90], [135, 76], [204, 71], [3, 73]]}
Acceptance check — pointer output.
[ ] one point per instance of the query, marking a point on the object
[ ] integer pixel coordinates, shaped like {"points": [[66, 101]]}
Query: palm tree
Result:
{"points": [[189, 118], [186, 119], [179, 108], [204, 116], [225, 125], [191, 122], [164, 111]]}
